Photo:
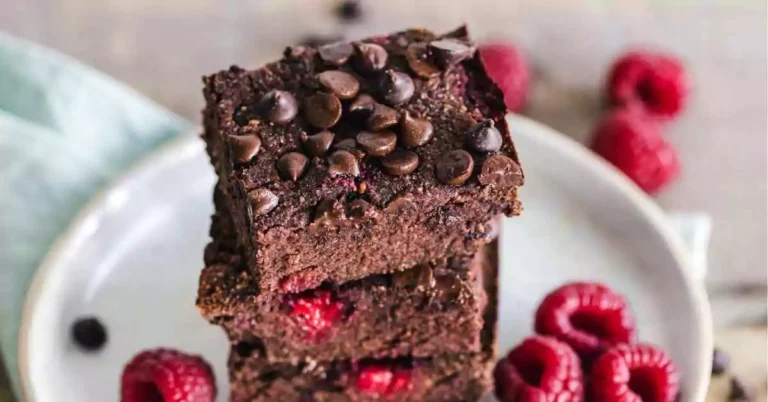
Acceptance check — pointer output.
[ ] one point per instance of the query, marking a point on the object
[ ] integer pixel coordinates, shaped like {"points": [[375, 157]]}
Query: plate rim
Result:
{"points": [[549, 138]]}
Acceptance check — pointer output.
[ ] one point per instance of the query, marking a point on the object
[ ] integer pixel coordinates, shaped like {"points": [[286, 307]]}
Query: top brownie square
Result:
{"points": [[361, 158]]}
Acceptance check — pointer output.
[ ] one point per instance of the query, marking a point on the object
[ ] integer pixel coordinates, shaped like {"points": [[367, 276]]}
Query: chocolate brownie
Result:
{"points": [[362, 158]]}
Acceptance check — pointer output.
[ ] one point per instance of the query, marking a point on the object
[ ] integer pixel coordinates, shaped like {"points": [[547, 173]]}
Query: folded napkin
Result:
{"points": [[65, 132]]}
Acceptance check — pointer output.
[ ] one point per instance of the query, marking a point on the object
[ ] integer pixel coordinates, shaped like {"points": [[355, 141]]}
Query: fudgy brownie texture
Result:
{"points": [[362, 158], [426, 310]]}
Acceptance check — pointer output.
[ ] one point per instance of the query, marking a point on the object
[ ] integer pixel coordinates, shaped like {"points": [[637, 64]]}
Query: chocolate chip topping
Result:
{"points": [[343, 162], [292, 165], [399, 163], [454, 167], [336, 53], [501, 171], [420, 277], [279, 107], [363, 103], [396, 87], [317, 144], [322, 110], [244, 147], [484, 137], [377, 144], [262, 201], [381, 117], [415, 132], [343, 85], [328, 213], [370, 57], [416, 55], [448, 52]]}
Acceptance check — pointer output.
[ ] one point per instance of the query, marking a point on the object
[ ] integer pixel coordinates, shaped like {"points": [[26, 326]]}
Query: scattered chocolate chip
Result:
{"points": [[361, 209], [381, 117], [322, 110], [363, 103], [399, 163], [343, 162], [370, 57], [720, 362], [415, 132], [739, 391], [279, 107], [317, 144], [349, 10], [396, 87], [89, 333], [343, 85], [454, 167], [416, 55], [501, 171], [292, 165], [262, 201], [328, 213], [335, 53], [449, 287], [244, 147], [484, 137], [449, 52], [347, 144], [377, 143], [419, 277]]}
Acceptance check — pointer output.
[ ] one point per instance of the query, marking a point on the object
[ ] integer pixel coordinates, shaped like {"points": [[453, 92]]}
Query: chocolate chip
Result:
{"points": [[739, 391], [349, 10], [363, 103], [484, 137], [399, 163], [279, 107], [396, 87], [335, 53], [416, 55], [89, 333], [454, 167], [343, 85], [317, 144], [350, 145], [370, 57], [244, 147], [720, 362], [448, 52], [292, 165], [379, 143], [415, 132], [420, 277], [501, 171], [381, 117], [262, 201], [328, 213], [361, 209], [322, 110], [343, 162]]}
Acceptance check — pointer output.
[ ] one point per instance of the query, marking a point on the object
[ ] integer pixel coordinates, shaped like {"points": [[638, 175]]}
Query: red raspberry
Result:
{"points": [[587, 316], [634, 373], [316, 311], [508, 69], [635, 146], [540, 369], [165, 375], [382, 380], [654, 81]]}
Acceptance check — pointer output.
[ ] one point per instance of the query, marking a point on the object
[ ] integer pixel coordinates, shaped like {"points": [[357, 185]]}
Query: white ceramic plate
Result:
{"points": [[133, 257]]}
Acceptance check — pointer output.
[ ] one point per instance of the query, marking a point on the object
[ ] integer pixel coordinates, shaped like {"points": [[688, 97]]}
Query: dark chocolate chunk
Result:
{"points": [[350, 145], [396, 87], [381, 117], [244, 147], [317, 144], [415, 132], [343, 163], [363, 103], [720, 362], [349, 10], [416, 55], [279, 107], [89, 333], [322, 110], [739, 391], [335, 53], [262, 201], [420, 277], [448, 52], [370, 57], [328, 213], [343, 85], [377, 143], [454, 167], [399, 163], [484, 137], [500, 170], [292, 165]]}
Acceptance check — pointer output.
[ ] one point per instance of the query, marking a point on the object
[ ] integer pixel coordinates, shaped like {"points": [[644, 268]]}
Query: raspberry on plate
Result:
{"points": [[589, 317], [540, 369], [165, 375], [654, 81], [634, 373], [635, 146], [508, 69]]}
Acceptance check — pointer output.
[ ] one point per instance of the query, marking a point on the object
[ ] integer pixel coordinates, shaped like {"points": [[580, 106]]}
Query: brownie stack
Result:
{"points": [[360, 187]]}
